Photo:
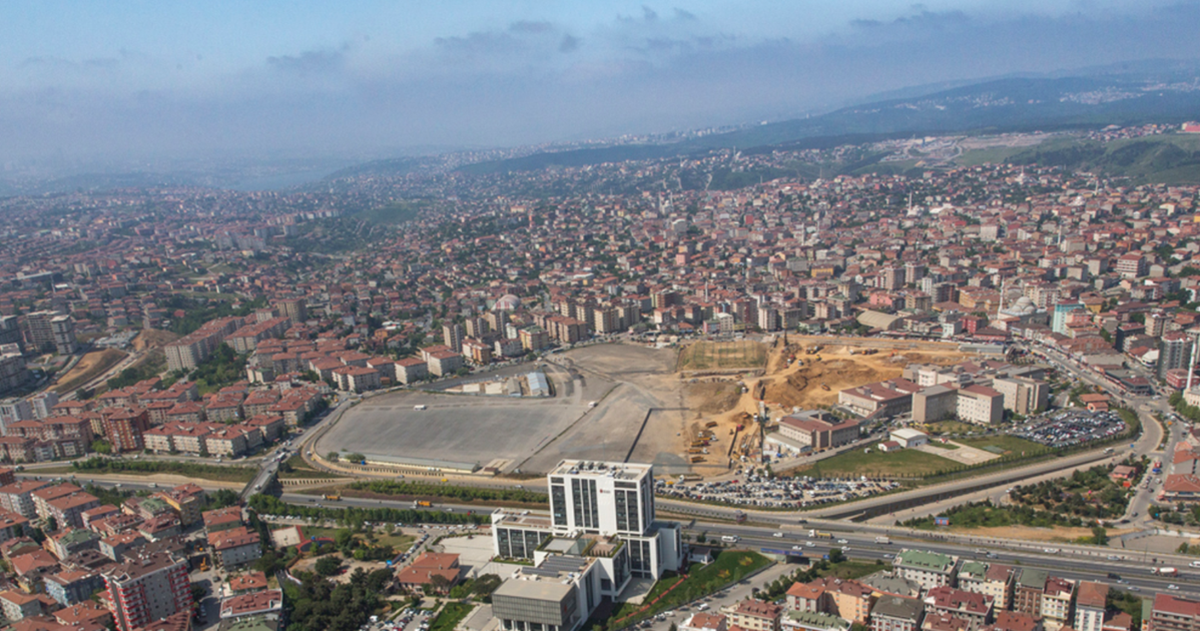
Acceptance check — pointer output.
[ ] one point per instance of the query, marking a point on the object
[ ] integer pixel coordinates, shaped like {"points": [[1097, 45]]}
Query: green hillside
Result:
{"points": [[1168, 159]]}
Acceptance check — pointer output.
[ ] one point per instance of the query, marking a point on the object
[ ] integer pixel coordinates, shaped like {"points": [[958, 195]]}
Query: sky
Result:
{"points": [[152, 83]]}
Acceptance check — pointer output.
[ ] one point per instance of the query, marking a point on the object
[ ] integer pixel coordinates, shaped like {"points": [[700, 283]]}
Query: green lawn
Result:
{"points": [[398, 541], [854, 569], [1011, 445], [908, 463], [729, 567], [450, 616], [299, 469]]}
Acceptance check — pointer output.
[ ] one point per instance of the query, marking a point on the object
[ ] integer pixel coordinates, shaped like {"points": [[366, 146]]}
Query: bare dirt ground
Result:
{"points": [[713, 397], [88, 368], [1029, 533], [822, 375], [805, 384], [153, 338]]}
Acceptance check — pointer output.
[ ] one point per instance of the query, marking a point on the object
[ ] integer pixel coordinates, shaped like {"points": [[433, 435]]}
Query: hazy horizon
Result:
{"points": [[143, 83]]}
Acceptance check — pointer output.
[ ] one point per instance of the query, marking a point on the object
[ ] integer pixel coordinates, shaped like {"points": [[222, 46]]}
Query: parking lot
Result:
{"points": [[777, 492], [1067, 428]]}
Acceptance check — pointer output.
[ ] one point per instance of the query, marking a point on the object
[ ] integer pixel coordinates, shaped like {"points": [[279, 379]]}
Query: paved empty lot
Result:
{"points": [[454, 428], [626, 382]]}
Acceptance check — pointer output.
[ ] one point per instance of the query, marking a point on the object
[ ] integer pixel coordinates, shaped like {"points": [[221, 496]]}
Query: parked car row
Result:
{"points": [[1072, 427], [777, 492]]}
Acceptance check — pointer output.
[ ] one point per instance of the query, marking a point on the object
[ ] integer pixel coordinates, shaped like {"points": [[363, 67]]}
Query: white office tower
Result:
{"points": [[601, 536]]}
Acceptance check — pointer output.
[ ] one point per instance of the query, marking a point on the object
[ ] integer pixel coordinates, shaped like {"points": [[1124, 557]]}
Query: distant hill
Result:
{"points": [[1169, 159], [1003, 105]]}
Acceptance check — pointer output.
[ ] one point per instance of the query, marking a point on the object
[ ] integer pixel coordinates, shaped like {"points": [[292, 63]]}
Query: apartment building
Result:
{"points": [[1028, 588], [411, 370], [1058, 603], [146, 589], [975, 609], [928, 569], [1090, 605], [1172, 613], [989, 579], [1021, 395], [18, 497], [895, 613], [755, 615], [124, 428]]}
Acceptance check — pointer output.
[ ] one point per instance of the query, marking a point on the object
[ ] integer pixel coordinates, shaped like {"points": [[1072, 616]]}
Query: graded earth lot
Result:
{"points": [[626, 382]]}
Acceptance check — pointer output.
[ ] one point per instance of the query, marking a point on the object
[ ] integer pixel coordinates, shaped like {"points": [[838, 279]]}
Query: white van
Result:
{"points": [[730, 538], [419, 407]]}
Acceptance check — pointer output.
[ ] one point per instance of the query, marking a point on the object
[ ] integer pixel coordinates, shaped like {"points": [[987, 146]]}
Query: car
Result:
{"points": [[810, 543], [842, 541], [1173, 587], [778, 535], [797, 547]]}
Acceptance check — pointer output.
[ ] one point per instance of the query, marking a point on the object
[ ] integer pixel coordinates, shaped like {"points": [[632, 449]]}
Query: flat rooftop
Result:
{"points": [[513, 520], [618, 470]]}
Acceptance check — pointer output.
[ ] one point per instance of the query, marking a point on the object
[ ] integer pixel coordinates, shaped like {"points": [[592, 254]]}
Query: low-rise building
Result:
{"points": [[756, 615], [929, 569], [895, 613], [419, 574], [235, 547], [975, 609], [818, 431]]}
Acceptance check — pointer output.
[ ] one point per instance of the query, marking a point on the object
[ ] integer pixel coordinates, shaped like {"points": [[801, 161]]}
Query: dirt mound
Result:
{"points": [[714, 397], [806, 387]]}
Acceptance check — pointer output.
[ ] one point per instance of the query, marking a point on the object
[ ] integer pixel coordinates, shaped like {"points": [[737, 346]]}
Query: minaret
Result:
{"points": [[1191, 367]]}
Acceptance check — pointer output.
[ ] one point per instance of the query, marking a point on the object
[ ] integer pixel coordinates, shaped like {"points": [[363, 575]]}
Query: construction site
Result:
{"points": [[800, 373]]}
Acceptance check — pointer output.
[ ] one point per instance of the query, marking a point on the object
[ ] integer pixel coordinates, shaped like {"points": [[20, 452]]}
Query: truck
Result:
{"points": [[333, 497], [820, 535], [883, 540], [1166, 571], [422, 504]]}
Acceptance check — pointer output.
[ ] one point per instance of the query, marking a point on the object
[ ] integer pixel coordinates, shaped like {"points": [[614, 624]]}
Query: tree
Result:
{"points": [[440, 583], [327, 566], [836, 555], [344, 540], [332, 456], [101, 446], [51, 524]]}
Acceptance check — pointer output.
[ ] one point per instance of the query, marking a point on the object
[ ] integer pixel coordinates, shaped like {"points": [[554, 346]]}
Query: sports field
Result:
{"points": [[723, 355], [906, 463]]}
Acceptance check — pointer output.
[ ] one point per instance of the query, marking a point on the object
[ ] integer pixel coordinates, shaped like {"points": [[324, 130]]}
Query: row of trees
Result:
{"points": [[464, 493], [191, 469], [355, 516]]}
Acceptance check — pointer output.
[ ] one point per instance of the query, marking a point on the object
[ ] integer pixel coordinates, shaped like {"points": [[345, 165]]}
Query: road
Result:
{"points": [[1069, 561]]}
